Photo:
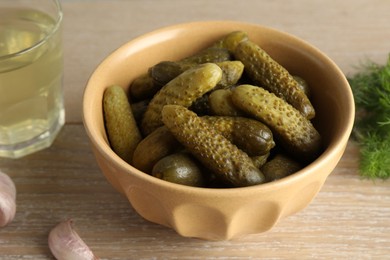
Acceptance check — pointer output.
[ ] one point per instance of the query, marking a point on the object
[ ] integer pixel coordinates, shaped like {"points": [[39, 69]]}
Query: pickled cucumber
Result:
{"points": [[233, 151], [183, 90], [295, 132], [303, 85], [229, 163], [143, 87], [260, 160], [220, 103], [165, 71], [121, 127], [209, 55], [231, 40], [266, 72], [231, 73], [279, 167], [179, 168], [154, 147], [251, 136]]}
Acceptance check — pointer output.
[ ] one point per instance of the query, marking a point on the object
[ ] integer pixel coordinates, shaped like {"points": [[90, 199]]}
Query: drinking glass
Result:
{"points": [[31, 71]]}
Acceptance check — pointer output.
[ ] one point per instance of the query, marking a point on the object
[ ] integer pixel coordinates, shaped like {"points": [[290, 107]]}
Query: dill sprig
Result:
{"points": [[375, 159], [371, 89]]}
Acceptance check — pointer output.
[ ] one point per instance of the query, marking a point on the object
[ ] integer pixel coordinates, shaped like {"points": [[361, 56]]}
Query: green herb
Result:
{"points": [[371, 88]]}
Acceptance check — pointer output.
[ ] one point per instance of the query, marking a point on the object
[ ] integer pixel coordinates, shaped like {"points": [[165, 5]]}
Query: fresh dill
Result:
{"points": [[371, 90]]}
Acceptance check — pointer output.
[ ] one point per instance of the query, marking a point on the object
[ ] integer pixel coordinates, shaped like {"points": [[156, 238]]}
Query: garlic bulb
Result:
{"points": [[65, 243], [7, 199]]}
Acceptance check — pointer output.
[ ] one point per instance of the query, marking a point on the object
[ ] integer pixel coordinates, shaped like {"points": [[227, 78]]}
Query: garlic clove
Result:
{"points": [[66, 244], [7, 199]]}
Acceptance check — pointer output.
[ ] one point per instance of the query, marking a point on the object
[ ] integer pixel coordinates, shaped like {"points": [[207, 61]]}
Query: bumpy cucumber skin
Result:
{"points": [[182, 90], [121, 127], [221, 53], [294, 132], [251, 136], [147, 85], [165, 71], [212, 54], [266, 72], [215, 152]]}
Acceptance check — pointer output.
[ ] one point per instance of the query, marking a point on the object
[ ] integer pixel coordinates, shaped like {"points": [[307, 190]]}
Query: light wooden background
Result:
{"points": [[349, 219]]}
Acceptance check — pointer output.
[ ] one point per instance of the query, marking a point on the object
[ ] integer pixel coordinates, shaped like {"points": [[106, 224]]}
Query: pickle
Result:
{"points": [[251, 136], [209, 55], [231, 40], [143, 87], [165, 71], [220, 103], [260, 160], [121, 127], [267, 73], [147, 85], [295, 132], [182, 90], [179, 168], [154, 147], [279, 167], [231, 73], [213, 150], [303, 85]]}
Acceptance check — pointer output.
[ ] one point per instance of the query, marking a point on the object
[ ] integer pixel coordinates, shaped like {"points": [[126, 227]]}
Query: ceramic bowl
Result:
{"points": [[220, 214]]}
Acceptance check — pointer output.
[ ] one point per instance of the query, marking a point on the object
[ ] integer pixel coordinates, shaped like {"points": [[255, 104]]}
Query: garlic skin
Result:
{"points": [[7, 199], [66, 244]]}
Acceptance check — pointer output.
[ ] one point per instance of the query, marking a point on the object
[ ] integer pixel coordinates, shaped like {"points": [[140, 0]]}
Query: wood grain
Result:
{"points": [[349, 219]]}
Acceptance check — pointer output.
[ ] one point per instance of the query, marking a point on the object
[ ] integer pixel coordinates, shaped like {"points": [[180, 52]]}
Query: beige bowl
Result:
{"points": [[219, 214]]}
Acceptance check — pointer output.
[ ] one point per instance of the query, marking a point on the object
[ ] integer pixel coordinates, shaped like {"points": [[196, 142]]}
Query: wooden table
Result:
{"points": [[349, 219]]}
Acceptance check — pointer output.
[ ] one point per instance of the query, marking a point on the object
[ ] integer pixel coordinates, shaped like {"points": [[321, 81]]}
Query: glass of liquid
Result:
{"points": [[31, 71]]}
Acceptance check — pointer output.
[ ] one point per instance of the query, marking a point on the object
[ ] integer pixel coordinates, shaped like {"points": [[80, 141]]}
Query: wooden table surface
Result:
{"points": [[349, 219]]}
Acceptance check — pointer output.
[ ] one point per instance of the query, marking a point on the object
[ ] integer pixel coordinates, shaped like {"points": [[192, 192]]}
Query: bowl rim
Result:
{"points": [[335, 147]]}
